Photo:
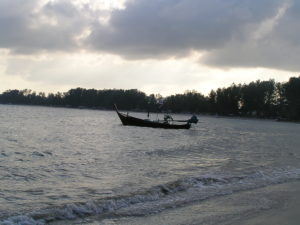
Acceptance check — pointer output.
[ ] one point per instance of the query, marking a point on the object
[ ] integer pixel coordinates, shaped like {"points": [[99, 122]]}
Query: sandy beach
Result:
{"points": [[287, 210], [272, 205]]}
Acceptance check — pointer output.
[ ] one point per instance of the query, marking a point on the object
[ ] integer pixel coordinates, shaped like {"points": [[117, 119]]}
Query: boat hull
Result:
{"points": [[132, 121]]}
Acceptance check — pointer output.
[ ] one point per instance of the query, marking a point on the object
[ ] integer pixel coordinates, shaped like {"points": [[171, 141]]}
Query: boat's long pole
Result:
{"points": [[116, 108]]}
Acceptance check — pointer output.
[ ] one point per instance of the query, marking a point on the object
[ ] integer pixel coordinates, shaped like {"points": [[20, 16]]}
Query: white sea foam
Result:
{"points": [[173, 194]]}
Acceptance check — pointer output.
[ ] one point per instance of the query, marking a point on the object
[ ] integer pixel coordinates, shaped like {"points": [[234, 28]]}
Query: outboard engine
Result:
{"points": [[168, 117], [193, 119]]}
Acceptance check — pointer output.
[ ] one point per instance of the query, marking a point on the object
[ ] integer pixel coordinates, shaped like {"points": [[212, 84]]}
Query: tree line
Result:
{"points": [[263, 99]]}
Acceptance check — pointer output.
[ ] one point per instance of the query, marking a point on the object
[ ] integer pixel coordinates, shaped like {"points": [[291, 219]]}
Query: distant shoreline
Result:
{"points": [[162, 112], [259, 99]]}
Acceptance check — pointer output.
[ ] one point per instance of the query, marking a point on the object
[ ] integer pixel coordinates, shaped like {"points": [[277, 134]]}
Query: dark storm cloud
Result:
{"points": [[229, 33], [175, 27], [279, 48], [27, 27]]}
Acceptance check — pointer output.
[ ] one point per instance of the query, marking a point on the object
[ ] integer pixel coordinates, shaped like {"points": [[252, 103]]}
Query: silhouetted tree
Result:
{"points": [[260, 98], [291, 91]]}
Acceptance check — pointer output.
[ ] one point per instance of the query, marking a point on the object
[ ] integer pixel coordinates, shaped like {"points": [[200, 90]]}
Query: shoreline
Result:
{"points": [[178, 113], [272, 205]]}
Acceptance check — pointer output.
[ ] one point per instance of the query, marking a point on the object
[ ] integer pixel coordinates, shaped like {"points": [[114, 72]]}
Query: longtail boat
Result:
{"points": [[166, 124]]}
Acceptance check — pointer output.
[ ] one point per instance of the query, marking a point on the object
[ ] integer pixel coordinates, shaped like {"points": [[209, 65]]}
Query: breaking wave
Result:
{"points": [[158, 198]]}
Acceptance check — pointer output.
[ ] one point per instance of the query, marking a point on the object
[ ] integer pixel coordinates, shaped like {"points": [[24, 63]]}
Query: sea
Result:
{"points": [[80, 166]]}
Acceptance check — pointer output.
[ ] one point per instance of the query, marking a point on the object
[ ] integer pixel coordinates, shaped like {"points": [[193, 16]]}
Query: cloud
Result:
{"points": [[273, 43], [231, 33], [105, 71], [166, 28], [35, 25]]}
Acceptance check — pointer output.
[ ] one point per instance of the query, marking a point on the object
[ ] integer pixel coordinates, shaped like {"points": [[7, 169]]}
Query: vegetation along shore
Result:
{"points": [[261, 99]]}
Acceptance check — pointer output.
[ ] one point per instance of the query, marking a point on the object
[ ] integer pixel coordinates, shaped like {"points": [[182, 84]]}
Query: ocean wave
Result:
{"points": [[157, 198]]}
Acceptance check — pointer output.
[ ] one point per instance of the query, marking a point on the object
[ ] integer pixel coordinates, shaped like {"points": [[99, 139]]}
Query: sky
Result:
{"points": [[156, 46]]}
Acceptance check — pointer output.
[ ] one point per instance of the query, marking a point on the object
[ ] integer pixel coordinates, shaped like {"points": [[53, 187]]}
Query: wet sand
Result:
{"points": [[272, 205], [287, 213]]}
